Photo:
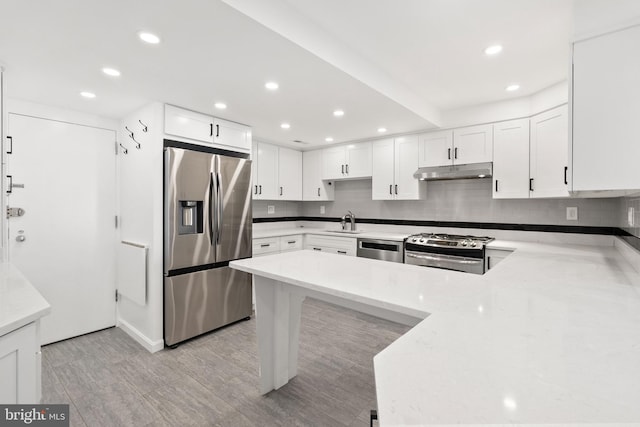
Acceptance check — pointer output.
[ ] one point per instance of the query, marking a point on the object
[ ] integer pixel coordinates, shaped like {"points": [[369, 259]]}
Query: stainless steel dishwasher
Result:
{"points": [[386, 250]]}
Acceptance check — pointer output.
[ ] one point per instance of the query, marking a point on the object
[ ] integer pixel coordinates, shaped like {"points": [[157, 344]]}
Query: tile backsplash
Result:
{"points": [[463, 200], [625, 204]]}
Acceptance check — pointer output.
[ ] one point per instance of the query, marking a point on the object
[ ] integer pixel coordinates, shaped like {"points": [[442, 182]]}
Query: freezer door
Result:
{"points": [[189, 193], [234, 216], [199, 302]]}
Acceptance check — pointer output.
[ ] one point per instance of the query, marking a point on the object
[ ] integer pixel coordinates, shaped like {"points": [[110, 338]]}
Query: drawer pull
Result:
{"points": [[291, 242], [265, 245], [317, 249], [342, 252]]}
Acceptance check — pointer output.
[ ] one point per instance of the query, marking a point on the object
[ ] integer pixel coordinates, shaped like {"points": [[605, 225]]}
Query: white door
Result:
{"points": [[267, 167], [549, 153], [358, 157], [64, 243], [231, 134], [382, 176], [290, 174], [333, 163], [511, 160], [406, 163], [314, 188], [473, 144], [436, 149]]}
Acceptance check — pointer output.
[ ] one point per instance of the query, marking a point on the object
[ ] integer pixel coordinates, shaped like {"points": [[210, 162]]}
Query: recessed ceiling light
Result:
{"points": [[493, 50], [149, 38], [338, 113], [88, 94], [328, 139], [382, 130], [512, 88], [111, 72], [271, 85], [220, 105], [285, 125]]}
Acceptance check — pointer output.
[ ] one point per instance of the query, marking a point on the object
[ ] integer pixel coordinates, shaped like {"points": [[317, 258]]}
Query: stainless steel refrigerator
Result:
{"points": [[208, 222]]}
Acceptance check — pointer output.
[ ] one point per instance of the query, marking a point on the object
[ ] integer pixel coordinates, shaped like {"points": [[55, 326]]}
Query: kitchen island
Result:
{"points": [[551, 335]]}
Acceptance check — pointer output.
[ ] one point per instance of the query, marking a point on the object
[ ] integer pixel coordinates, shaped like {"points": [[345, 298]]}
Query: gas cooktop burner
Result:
{"points": [[450, 240]]}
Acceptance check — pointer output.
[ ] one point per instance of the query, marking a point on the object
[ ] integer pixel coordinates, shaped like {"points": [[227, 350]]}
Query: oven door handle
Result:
{"points": [[456, 259]]}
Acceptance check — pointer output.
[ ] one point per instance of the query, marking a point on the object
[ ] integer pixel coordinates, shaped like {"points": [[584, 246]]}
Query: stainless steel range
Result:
{"points": [[448, 251]]}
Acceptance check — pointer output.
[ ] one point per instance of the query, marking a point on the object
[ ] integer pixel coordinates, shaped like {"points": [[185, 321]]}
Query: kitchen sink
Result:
{"points": [[346, 231]]}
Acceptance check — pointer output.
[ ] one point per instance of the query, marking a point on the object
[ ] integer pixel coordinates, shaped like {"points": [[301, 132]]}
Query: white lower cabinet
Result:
{"points": [[331, 244], [20, 366], [275, 245], [493, 256]]}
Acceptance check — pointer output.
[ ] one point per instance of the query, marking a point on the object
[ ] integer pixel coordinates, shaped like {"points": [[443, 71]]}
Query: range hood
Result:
{"points": [[441, 173]]}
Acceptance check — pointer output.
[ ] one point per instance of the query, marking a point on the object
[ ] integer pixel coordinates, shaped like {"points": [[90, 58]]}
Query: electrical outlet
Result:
{"points": [[271, 209], [322, 211], [630, 216], [572, 213]]}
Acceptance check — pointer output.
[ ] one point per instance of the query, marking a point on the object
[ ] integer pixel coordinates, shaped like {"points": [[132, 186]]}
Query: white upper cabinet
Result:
{"points": [[347, 161], [289, 174], [606, 102], [549, 154], [277, 173], [394, 163], [231, 134], [188, 124], [265, 183], [473, 144], [313, 187], [204, 128], [436, 149], [511, 160]]}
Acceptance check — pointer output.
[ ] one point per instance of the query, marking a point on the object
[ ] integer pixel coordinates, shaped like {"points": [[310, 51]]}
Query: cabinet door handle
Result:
{"points": [[396, 189], [265, 245], [10, 150], [530, 184], [390, 189], [217, 131], [291, 242], [317, 249], [566, 168], [342, 169], [210, 129], [318, 191], [455, 153], [347, 168], [488, 263], [260, 186], [496, 185], [342, 252], [449, 153], [10, 186], [256, 190], [281, 191]]}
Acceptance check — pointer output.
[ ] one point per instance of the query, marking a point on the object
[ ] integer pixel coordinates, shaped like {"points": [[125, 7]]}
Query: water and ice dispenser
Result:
{"points": [[190, 212]]}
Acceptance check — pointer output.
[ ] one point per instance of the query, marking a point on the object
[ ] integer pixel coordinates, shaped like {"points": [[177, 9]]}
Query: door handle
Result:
{"points": [[496, 185], [390, 188], [256, 189], [342, 252], [455, 153], [318, 191], [20, 238], [260, 186], [566, 182], [449, 153], [265, 245], [347, 168], [530, 184], [220, 206], [10, 150], [210, 129], [396, 189], [317, 249], [217, 131], [342, 169], [10, 187], [210, 209], [281, 191]]}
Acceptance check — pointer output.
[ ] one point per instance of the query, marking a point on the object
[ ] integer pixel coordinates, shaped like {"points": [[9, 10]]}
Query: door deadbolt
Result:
{"points": [[21, 238]]}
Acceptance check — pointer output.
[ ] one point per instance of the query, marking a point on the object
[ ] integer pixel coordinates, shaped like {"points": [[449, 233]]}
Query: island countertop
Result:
{"points": [[20, 302], [550, 335]]}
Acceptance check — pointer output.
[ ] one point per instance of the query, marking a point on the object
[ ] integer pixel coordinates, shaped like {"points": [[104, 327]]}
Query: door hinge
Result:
{"points": [[116, 221], [13, 212], [116, 295], [115, 146]]}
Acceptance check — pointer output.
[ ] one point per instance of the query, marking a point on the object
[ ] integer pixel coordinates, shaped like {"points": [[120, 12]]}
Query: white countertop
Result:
{"points": [[20, 302], [398, 237], [550, 335]]}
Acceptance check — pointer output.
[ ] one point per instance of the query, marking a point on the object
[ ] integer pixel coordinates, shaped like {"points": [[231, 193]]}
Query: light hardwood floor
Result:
{"points": [[109, 380]]}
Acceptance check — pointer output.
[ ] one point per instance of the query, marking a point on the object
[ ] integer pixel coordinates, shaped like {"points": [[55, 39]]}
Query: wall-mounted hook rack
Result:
{"points": [[133, 137], [145, 128], [124, 149]]}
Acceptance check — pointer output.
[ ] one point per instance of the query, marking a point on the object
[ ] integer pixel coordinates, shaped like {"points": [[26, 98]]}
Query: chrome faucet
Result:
{"points": [[351, 217]]}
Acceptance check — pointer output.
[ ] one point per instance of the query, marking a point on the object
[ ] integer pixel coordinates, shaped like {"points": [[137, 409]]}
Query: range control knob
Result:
{"points": [[422, 240], [473, 244], [464, 243], [414, 240]]}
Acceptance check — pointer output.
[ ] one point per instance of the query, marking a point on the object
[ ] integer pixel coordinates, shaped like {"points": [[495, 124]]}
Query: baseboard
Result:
{"points": [[151, 346]]}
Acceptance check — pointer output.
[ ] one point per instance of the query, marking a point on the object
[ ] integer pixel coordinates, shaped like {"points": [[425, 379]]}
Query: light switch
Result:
{"points": [[271, 209], [630, 216], [572, 213], [322, 211]]}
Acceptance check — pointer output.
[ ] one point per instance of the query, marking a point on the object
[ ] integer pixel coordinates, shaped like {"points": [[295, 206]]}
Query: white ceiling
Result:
{"points": [[391, 63]]}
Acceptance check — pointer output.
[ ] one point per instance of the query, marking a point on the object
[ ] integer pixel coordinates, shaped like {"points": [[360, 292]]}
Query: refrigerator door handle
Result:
{"points": [[210, 210], [219, 203]]}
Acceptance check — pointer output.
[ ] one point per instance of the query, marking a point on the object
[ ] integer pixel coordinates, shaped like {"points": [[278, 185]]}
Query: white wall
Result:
{"points": [[140, 175], [592, 17]]}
